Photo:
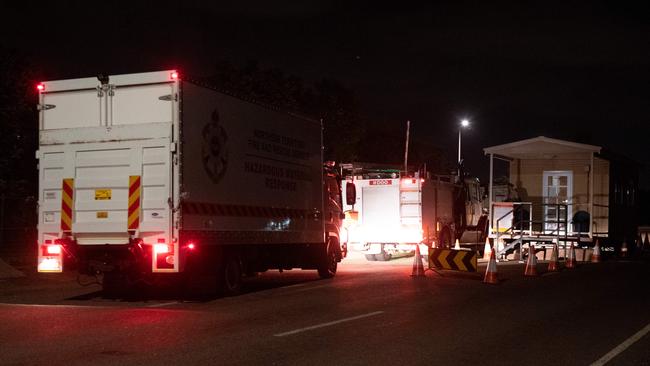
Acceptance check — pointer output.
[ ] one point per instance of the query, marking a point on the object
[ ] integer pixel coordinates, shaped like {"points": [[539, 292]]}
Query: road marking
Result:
{"points": [[51, 306], [162, 304], [622, 347], [310, 288], [300, 330]]}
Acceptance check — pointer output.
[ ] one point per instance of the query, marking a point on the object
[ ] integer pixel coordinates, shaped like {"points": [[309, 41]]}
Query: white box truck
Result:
{"points": [[143, 176]]}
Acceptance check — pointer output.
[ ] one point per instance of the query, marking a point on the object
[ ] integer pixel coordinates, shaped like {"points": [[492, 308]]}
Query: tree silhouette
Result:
{"points": [[326, 100], [18, 123]]}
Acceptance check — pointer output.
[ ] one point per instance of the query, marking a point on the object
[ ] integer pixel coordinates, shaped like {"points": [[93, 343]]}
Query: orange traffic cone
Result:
{"points": [[571, 259], [487, 250], [624, 249], [531, 263], [595, 256], [554, 264], [418, 266], [457, 246], [491, 275]]}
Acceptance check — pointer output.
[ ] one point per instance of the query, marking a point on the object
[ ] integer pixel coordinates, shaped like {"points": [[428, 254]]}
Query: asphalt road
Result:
{"points": [[370, 313]]}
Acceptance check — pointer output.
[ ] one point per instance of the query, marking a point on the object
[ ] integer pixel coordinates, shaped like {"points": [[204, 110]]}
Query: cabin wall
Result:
{"points": [[527, 177]]}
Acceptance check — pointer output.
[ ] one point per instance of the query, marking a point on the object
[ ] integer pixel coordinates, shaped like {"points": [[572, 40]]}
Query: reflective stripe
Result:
{"points": [[67, 201], [134, 202]]}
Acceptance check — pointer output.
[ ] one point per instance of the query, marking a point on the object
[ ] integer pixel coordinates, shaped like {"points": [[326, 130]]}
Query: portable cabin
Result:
{"points": [[565, 189]]}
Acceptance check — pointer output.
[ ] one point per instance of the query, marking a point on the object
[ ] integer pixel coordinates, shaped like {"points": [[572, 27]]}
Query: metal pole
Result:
{"points": [[459, 129], [490, 218], [406, 149], [2, 219], [591, 196]]}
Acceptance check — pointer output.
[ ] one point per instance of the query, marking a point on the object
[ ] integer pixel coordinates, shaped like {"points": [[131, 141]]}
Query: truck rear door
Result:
{"points": [[105, 171]]}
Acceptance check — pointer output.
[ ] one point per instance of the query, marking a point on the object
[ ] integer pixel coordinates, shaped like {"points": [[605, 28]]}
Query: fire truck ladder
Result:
{"points": [[410, 203]]}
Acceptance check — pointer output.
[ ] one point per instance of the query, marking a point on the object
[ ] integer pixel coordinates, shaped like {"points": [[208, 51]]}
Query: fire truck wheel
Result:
{"points": [[383, 257], [330, 262], [229, 278]]}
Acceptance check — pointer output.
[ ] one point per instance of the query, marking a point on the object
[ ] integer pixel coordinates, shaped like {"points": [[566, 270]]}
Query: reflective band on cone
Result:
{"points": [[487, 250], [624, 249], [595, 256], [418, 266], [571, 260], [531, 263], [553, 264], [457, 246], [491, 275]]}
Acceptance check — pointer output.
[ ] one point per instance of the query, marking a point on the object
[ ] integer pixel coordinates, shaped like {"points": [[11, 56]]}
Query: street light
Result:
{"points": [[463, 124]]}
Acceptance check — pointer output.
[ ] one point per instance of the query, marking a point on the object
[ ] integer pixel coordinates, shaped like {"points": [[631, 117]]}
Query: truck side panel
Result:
{"points": [[250, 175]]}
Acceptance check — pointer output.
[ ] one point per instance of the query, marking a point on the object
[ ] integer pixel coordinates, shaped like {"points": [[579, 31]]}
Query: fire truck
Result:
{"points": [[394, 210]]}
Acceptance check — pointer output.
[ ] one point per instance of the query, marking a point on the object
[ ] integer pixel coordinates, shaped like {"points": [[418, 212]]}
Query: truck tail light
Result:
{"points": [[174, 75], [161, 248], [164, 255], [51, 257], [52, 249], [409, 182], [40, 87]]}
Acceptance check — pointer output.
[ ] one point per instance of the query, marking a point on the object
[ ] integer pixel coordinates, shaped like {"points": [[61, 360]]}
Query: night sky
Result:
{"points": [[570, 70]]}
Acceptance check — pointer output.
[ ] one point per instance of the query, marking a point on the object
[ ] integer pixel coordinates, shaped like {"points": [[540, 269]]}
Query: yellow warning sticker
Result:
{"points": [[102, 194], [102, 214]]}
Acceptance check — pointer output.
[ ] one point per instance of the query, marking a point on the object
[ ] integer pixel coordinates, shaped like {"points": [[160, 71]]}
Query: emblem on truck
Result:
{"points": [[214, 151]]}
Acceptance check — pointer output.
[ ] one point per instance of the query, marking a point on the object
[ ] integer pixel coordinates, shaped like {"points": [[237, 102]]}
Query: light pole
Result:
{"points": [[463, 124]]}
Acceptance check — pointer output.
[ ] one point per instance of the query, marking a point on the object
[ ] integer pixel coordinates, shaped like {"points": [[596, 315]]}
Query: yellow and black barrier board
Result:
{"points": [[455, 260]]}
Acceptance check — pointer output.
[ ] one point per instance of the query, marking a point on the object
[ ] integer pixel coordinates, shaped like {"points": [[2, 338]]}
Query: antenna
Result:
{"points": [[406, 149]]}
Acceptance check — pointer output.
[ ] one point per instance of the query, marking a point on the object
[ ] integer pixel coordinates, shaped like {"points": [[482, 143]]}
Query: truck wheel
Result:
{"points": [[383, 257], [330, 262], [229, 278], [370, 257]]}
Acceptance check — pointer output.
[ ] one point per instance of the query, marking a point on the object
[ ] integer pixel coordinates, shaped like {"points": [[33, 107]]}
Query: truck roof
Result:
{"points": [[153, 78], [119, 80]]}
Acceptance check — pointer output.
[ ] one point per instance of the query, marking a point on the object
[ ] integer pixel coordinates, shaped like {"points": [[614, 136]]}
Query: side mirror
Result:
{"points": [[350, 193]]}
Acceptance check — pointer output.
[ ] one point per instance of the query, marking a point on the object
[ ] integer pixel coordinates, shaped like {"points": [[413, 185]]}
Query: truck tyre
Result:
{"points": [[230, 276], [370, 257], [330, 262], [383, 257]]}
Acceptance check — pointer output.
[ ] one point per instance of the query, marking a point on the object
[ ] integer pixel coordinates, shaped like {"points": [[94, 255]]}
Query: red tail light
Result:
{"points": [[174, 75], [191, 246], [161, 248], [53, 249], [51, 257], [40, 87]]}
